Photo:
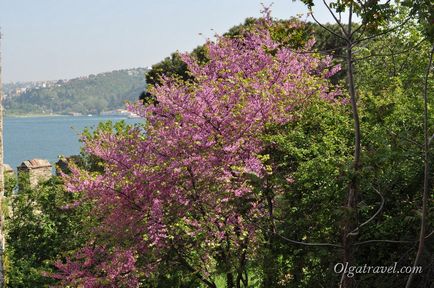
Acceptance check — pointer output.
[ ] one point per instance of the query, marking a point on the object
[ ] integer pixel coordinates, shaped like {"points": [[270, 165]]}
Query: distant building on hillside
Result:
{"points": [[76, 114], [32, 172], [119, 112]]}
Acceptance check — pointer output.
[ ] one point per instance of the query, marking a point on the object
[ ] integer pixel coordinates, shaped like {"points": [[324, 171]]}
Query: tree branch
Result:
{"points": [[309, 243], [298, 242], [383, 241], [336, 20], [390, 54], [356, 230], [329, 30], [359, 40]]}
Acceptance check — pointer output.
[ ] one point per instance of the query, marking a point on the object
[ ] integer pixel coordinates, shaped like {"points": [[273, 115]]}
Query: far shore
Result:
{"points": [[61, 115], [32, 115]]}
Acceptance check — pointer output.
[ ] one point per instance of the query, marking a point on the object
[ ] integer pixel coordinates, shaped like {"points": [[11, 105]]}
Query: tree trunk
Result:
{"points": [[351, 205], [229, 280], [270, 264], [242, 266]]}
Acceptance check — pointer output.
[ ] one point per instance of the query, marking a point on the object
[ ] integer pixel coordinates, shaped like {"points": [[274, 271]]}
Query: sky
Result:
{"points": [[63, 39]]}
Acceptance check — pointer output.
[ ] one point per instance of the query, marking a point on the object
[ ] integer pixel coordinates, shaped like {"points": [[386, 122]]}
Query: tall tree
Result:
{"points": [[372, 13], [193, 189]]}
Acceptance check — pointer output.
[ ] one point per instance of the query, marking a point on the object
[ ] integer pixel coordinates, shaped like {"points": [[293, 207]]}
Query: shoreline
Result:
{"points": [[63, 115], [32, 115]]}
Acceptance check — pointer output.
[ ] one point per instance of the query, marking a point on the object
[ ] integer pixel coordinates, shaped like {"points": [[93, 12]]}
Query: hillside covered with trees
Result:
{"points": [[87, 95]]}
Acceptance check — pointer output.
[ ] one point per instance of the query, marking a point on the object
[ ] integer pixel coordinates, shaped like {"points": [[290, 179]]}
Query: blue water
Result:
{"points": [[46, 137]]}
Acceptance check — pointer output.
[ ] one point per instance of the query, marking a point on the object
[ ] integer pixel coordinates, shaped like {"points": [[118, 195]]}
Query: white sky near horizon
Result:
{"points": [[62, 39]]}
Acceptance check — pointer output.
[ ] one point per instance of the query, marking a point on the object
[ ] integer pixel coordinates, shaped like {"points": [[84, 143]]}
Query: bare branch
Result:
{"points": [[297, 242], [309, 243], [336, 19], [430, 139], [324, 52], [383, 241], [392, 241], [359, 40], [391, 54], [363, 25], [356, 230], [325, 28], [429, 235], [408, 139]]}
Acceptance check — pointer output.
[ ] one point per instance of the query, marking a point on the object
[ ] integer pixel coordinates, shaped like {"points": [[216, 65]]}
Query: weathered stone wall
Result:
{"points": [[39, 175]]}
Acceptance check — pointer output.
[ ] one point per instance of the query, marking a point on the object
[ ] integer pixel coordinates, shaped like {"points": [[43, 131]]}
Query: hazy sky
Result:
{"points": [[59, 39]]}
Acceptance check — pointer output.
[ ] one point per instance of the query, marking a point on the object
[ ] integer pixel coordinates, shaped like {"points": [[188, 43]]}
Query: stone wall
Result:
{"points": [[39, 175]]}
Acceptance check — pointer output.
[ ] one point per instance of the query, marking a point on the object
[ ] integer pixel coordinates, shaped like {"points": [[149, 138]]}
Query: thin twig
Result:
{"points": [[336, 19], [364, 25], [308, 243], [384, 241], [329, 30], [356, 230], [359, 40], [420, 145], [390, 54], [298, 242]]}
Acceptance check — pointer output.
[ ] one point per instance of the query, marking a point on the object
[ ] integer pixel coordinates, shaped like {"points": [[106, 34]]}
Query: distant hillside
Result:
{"points": [[87, 95]]}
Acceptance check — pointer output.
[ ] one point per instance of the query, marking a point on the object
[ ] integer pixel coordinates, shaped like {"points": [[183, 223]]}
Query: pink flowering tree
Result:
{"points": [[187, 188]]}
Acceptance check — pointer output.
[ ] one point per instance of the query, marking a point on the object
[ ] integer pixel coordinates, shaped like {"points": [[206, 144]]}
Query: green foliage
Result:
{"points": [[310, 159], [423, 11], [315, 154], [392, 116], [173, 66], [396, 59], [10, 184], [372, 13], [40, 230], [93, 94]]}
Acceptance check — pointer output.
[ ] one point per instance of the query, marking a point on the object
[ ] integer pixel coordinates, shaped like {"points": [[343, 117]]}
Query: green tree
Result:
{"points": [[44, 225]]}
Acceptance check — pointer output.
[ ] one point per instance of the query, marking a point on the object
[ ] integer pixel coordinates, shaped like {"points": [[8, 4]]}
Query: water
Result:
{"points": [[46, 137]]}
